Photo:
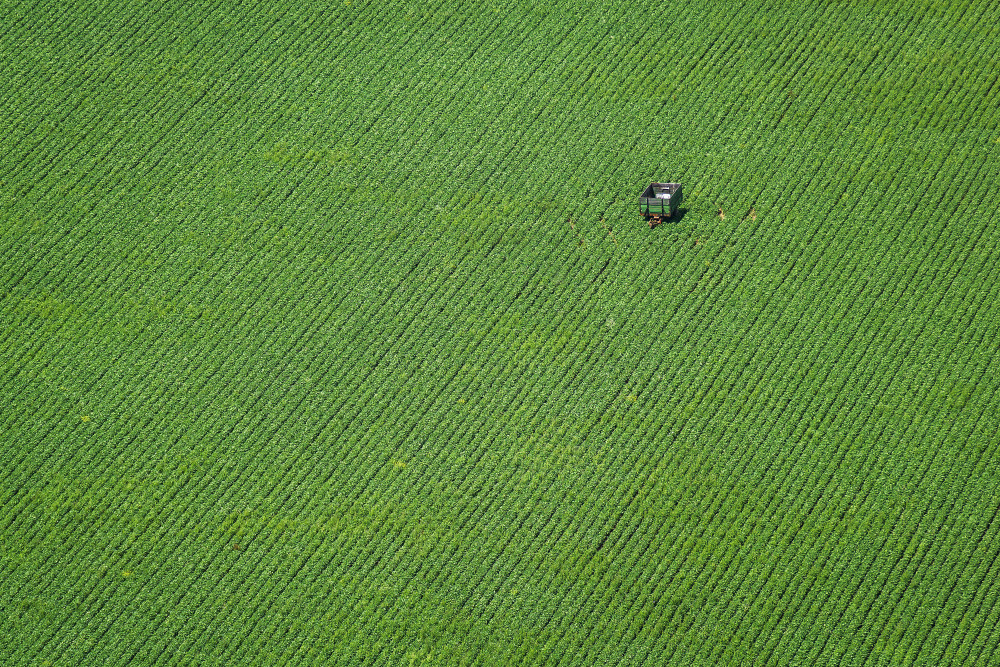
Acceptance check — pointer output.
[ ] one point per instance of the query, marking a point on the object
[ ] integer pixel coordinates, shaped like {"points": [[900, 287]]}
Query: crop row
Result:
{"points": [[321, 410]]}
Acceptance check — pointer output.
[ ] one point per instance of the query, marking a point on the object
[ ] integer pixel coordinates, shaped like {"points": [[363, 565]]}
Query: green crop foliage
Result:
{"points": [[330, 333]]}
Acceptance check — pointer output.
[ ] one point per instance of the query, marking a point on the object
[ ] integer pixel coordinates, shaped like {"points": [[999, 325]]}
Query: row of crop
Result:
{"points": [[932, 567], [779, 415], [920, 431], [471, 135], [91, 247], [811, 106], [388, 136], [568, 115], [66, 180], [524, 142], [28, 127], [242, 442], [581, 129], [91, 140], [69, 275]]}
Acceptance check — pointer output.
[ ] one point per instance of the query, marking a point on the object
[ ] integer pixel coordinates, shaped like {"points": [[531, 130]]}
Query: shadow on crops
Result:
{"points": [[677, 218]]}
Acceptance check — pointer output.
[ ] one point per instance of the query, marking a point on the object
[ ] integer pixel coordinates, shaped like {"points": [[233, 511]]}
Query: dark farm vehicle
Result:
{"points": [[659, 202]]}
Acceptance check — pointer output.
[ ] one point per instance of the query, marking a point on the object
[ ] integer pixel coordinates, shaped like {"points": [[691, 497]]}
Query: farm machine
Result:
{"points": [[659, 202]]}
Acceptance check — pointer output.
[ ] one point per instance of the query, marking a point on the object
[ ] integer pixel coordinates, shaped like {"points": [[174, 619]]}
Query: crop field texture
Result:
{"points": [[330, 333]]}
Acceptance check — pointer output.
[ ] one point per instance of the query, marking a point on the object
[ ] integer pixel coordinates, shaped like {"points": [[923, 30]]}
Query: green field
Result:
{"points": [[330, 333]]}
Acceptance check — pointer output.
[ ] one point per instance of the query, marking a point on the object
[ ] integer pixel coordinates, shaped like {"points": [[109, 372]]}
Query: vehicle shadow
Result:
{"points": [[676, 218]]}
